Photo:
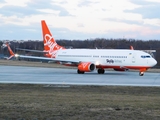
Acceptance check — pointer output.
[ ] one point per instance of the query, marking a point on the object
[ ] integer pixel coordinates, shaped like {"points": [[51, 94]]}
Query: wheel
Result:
{"points": [[80, 72], [141, 73], [101, 71]]}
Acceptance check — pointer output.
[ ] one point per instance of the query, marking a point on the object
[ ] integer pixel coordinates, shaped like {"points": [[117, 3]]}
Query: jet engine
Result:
{"points": [[86, 66]]}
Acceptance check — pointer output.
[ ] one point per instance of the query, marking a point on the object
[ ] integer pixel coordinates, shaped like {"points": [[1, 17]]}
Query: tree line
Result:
{"points": [[97, 43]]}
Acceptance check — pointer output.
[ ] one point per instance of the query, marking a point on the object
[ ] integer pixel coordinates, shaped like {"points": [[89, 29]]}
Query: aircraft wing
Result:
{"points": [[39, 51], [39, 58], [46, 58]]}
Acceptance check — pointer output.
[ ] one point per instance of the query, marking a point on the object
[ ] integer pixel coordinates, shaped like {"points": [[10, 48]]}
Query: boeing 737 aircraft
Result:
{"points": [[87, 60]]}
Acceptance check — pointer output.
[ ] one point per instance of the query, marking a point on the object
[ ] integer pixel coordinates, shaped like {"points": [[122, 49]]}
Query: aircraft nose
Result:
{"points": [[154, 62]]}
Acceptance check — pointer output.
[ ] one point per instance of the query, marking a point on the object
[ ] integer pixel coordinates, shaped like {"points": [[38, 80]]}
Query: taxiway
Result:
{"points": [[40, 75]]}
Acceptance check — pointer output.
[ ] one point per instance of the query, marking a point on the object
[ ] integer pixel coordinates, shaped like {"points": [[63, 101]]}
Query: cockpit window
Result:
{"points": [[148, 56], [145, 56]]}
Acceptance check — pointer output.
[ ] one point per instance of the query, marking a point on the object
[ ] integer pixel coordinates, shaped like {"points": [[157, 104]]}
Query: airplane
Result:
{"points": [[87, 60]]}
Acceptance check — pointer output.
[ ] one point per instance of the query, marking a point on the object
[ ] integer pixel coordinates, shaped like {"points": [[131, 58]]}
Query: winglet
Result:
{"points": [[10, 51], [131, 47]]}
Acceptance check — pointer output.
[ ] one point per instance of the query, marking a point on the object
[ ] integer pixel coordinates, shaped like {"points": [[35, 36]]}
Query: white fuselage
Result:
{"points": [[108, 58]]}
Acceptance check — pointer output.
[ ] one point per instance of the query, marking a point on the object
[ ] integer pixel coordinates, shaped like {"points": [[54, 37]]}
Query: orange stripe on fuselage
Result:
{"points": [[125, 67], [141, 68]]}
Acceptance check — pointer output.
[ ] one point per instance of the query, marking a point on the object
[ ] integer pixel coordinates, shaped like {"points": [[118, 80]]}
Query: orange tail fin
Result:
{"points": [[10, 51], [131, 47], [50, 44]]}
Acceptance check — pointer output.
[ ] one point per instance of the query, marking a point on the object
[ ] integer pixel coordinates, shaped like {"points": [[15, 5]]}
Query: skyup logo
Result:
{"points": [[49, 41], [50, 45]]}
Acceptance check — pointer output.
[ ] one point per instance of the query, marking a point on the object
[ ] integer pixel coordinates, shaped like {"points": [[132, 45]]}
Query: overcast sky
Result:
{"points": [[80, 19]]}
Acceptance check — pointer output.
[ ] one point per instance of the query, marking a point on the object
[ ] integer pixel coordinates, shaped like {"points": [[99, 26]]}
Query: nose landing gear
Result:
{"points": [[141, 73]]}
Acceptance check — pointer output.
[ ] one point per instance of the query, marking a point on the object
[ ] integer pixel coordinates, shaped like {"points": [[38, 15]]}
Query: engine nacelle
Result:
{"points": [[86, 66], [120, 69]]}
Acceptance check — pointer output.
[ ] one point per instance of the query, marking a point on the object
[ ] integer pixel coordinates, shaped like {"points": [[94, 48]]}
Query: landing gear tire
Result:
{"points": [[141, 73], [100, 71], [80, 72]]}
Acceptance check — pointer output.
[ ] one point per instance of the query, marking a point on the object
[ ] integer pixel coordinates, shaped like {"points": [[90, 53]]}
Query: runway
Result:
{"points": [[40, 75]]}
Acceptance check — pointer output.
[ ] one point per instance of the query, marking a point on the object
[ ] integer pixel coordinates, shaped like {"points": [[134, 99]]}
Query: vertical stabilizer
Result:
{"points": [[131, 47], [50, 44]]}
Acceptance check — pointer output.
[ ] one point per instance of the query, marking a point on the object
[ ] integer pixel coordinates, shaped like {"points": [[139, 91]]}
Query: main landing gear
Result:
{"points": [[101, 71]]}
